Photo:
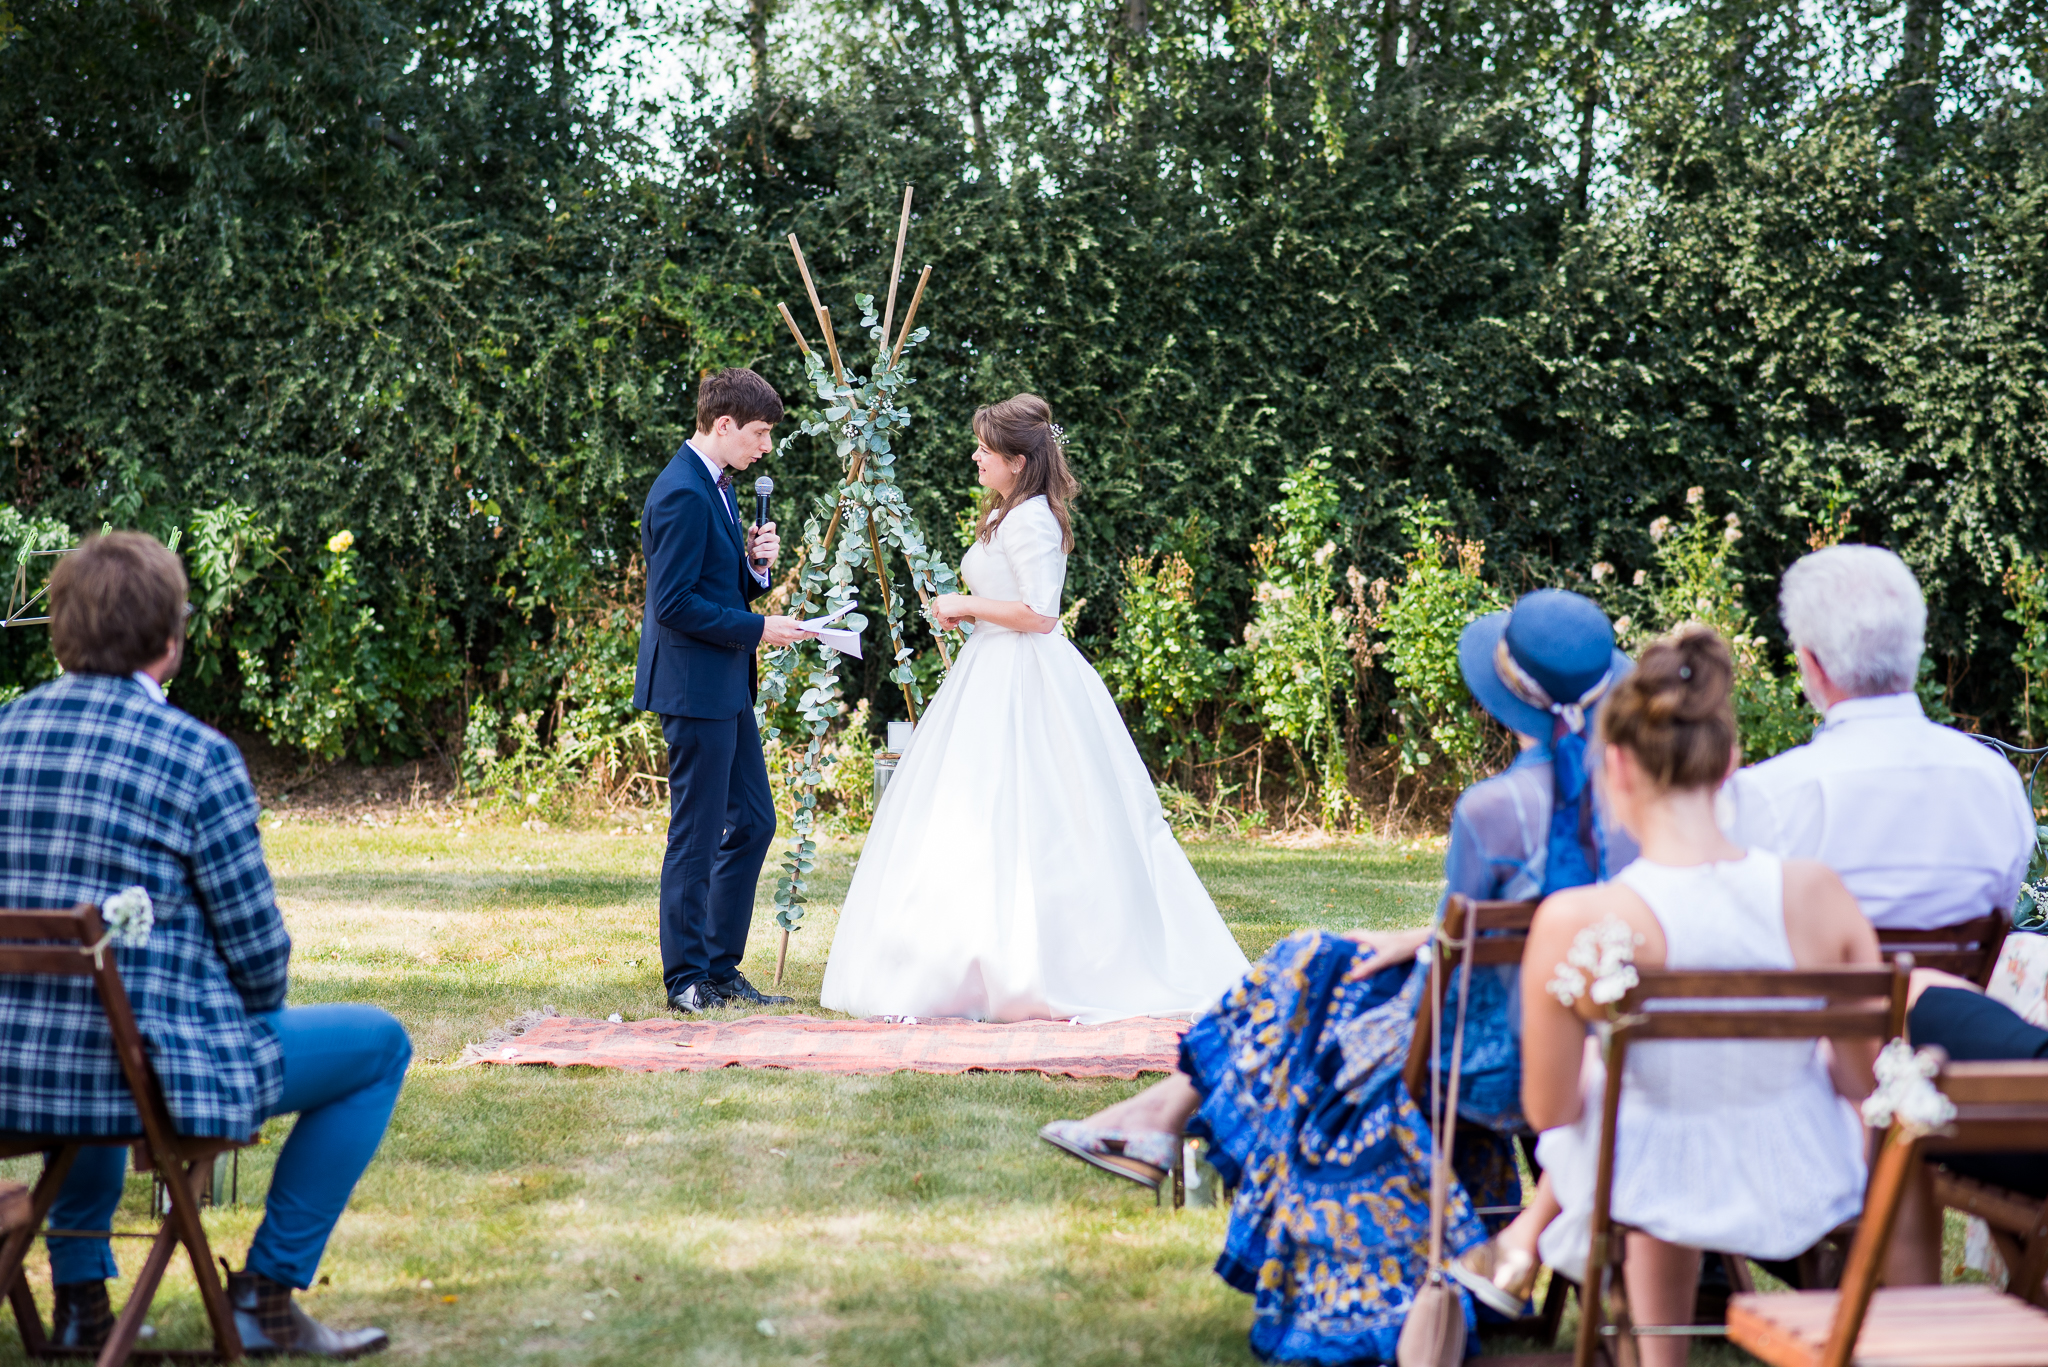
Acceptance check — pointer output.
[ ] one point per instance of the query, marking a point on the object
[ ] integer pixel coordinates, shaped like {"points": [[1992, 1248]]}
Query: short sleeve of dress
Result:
{"points": [[1030, 539]]}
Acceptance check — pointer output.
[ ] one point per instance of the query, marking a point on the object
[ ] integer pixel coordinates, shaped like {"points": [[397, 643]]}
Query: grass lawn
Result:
{"points": [[545, 1216]]}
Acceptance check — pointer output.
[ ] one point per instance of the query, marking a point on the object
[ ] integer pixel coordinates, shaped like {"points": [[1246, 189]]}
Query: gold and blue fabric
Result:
{"points": [[1304, 1109]]}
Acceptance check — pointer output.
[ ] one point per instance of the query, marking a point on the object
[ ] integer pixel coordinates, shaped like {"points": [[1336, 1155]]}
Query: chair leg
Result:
{"points": [[184, 1218], [1622, 1315], [2027, 1273], [1591, 1302], [128, 1324], [14, 1250]]}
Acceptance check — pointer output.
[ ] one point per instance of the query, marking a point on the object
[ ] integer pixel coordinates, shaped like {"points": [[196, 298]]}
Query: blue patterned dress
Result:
{"points": [[1330, 1228]]}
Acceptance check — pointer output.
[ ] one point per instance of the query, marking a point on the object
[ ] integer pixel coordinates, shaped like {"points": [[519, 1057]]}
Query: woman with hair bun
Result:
{"points": [[1295, 1080], [1744, 1146], [1020, 866]]}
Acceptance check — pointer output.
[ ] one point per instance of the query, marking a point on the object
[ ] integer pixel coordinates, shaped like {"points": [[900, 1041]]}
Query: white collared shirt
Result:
{"points": [[717, 473], [1926, 826], [150, 685]]}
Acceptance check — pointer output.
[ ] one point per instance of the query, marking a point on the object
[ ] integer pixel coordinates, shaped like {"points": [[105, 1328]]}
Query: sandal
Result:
{"points": [[1499, 1278], [1144, 1156]]}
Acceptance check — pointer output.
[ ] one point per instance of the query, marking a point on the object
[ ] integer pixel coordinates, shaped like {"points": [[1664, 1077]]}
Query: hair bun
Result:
{"points": [[1676, 712]]}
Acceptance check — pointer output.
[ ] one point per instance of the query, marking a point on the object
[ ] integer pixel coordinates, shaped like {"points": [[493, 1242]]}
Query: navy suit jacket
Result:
{"points": [[697, 638]]}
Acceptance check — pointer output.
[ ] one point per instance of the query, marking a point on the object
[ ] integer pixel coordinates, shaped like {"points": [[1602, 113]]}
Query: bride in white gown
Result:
{"points": [[1020, 866]]}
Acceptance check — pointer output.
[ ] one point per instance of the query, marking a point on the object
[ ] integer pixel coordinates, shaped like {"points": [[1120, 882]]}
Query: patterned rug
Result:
{"points": [[1123, 1049]]}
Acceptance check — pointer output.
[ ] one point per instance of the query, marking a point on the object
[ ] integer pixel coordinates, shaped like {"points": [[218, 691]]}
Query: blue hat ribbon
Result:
{"points": [[1575, 854]]}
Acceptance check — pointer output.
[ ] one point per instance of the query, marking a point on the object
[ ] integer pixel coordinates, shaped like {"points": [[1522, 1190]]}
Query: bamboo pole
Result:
{"points": [[824, 314], [805, 271], [911, 316], [938, 634], [882, 582], [832, 344], [852, 478], [896, 271], [794, 331]]}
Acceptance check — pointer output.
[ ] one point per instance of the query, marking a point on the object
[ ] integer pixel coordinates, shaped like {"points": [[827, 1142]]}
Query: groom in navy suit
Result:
{"points": [[697, 643]]}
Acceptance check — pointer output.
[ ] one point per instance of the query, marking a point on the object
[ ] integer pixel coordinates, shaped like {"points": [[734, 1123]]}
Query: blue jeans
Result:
{"points": [[343, 1066]]}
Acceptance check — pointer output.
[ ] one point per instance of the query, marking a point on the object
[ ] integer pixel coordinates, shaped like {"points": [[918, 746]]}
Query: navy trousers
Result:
{"points": [[1976, 1029], [721, 821], [343, 1066]]}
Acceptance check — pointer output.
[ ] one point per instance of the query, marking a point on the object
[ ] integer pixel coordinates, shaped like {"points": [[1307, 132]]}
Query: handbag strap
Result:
{"points": [[1445, 1123]]}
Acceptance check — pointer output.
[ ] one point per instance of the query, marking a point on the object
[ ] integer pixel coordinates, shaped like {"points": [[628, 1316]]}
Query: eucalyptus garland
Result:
{"points": [[846, 535]]}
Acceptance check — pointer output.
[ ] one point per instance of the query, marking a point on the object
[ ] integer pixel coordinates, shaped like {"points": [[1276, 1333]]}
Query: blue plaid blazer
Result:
{"points": [[103, 788]]}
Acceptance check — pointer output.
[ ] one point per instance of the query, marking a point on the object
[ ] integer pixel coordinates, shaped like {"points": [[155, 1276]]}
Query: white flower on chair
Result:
{"points": [[1906, 1091], [128, 916], [1600, 964]]}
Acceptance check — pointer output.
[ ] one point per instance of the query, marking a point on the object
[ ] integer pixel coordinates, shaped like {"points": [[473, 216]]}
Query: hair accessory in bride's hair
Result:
{"points": [[1059, 434]]}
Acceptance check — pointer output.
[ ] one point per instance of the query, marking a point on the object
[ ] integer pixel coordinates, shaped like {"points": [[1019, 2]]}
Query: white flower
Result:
{"points": [[1600, 964], [1906, 1091], [1601, 571], [1731, 536], [1642, 577], [1694, 495], [1568, 985], [1659, 528], [128, 916]]}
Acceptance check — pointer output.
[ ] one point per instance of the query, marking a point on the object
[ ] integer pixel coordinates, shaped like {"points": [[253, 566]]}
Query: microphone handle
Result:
{"points": [[760, 516]]}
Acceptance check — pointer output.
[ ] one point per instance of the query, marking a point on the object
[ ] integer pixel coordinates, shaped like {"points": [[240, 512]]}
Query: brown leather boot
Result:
{"points": [[270, 1322], [83, 1317]]}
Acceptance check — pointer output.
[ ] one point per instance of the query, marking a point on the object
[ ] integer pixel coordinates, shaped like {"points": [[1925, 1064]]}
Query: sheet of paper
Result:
{"points": [[812, 624], [845, 642]]}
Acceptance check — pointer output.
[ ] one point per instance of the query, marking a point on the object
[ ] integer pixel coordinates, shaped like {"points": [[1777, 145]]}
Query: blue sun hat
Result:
{"points": [[1541, 669]]}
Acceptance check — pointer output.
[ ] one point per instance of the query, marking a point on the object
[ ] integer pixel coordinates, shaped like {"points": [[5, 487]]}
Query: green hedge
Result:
{"points": [[408, 270]]}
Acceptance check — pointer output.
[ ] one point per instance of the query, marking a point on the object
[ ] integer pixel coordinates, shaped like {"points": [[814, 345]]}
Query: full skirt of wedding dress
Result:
{"points": [[1020, 866]]}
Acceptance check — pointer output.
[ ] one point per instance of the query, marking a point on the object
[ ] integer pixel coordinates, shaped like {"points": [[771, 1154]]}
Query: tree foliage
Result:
{"points": [[427, 272]]}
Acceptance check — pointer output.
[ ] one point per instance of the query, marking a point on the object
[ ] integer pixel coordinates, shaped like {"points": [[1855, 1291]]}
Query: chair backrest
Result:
{"points": [[1699, 1004], [58, 944], [2000, 1107], [1865, 1003], [1968, 950], [1500, 934]]}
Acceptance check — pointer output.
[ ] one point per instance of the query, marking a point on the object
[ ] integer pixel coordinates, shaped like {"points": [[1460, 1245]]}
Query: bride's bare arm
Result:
{"points": [[954, 608]]}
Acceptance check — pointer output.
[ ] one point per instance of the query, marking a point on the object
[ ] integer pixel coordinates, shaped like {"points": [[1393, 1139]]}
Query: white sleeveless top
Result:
{"points": [[1737, 1146]]}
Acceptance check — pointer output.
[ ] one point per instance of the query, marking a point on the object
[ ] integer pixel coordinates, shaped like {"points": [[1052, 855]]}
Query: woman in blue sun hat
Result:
{"points": [[1295, 1078]]}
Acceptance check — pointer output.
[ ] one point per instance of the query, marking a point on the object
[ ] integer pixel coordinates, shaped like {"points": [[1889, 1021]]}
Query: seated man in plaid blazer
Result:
{"points": [[105, 786]]}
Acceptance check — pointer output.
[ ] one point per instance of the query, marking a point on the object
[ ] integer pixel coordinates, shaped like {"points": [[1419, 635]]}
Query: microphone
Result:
{"points": [[763, 487]]}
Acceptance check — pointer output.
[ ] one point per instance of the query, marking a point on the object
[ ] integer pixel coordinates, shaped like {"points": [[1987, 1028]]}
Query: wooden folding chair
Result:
{"points": [[1500, 933], [1999, 1106], [57, 944], [1839, 1003], [1968, 950], [2018, 1223]]}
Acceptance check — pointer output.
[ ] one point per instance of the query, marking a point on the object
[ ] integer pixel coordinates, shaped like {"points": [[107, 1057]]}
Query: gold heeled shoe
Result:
{"points": [[1499, 1278]]}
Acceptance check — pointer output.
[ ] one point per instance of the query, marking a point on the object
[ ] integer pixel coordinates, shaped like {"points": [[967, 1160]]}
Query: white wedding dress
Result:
{"points": [[1020, 867]]}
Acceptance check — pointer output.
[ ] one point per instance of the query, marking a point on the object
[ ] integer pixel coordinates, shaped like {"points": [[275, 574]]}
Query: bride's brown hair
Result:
{"points": [[1021, 428]]}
